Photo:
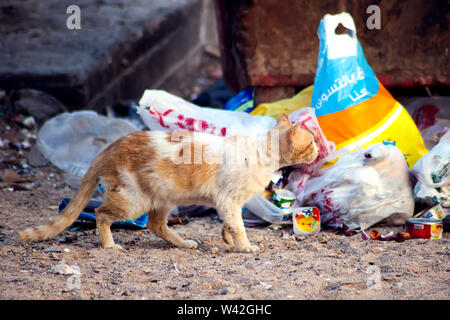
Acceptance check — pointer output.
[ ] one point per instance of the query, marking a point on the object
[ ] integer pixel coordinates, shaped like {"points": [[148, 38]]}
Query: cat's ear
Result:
{"points": [[292, 133], [283, 122]]}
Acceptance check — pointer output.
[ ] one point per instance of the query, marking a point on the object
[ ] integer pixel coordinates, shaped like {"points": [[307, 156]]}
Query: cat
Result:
{"points": [[151, 171]]}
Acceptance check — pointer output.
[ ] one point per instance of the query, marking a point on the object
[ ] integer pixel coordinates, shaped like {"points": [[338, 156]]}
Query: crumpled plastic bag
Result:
{"points": [[71, 141], [161, 110], [362, 188], [432, 173]]}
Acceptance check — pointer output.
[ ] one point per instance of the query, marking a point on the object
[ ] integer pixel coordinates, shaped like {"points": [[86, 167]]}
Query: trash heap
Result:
{"points": [[373, 164], [367, 143]]}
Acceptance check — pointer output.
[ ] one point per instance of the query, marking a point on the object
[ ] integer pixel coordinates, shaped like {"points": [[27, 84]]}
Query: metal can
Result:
{"points": [[283, 198], [424, 228], [435, 212]]}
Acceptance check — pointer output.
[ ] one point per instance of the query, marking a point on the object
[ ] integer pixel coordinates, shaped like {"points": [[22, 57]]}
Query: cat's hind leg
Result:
{"points": [[158, 225], [104, 219]]}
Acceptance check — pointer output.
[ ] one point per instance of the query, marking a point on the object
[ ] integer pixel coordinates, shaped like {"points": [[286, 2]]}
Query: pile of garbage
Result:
{"points": [[374, 164], [368, 142]]}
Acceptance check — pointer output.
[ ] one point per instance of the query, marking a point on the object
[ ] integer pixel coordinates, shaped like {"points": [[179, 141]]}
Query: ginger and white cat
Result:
{"points": [[151, 171]]}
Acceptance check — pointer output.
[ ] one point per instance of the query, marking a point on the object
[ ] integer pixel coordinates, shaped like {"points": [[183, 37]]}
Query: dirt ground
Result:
{"points": [[321, 266]]}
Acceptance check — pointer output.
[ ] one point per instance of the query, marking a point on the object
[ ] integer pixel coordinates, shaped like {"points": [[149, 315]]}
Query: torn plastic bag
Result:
{"points": [[191, 211], [161, 110], [432, 173], [363, 188]]}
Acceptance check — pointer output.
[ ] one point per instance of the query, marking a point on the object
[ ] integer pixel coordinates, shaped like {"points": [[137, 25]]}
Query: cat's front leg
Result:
{"points": [[227, 236], [158, 225], [234, 229]]}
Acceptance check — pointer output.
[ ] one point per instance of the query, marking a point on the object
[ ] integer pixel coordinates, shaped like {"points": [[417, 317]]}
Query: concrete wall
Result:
{"points": [[122, 48]]}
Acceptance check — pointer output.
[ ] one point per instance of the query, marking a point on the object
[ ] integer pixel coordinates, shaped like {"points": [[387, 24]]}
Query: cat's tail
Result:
{"points": [[69, 214]]}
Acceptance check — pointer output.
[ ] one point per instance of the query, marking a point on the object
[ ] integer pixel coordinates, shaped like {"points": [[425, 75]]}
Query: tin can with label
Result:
{"points": [[435, 212], [424, 228], [283, 198], [306, 220]]}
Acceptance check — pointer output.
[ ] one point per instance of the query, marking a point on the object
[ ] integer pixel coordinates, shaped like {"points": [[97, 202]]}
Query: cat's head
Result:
{"points": [[296, 144]]}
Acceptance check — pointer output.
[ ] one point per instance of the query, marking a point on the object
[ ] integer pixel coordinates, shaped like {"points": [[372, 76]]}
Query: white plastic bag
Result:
{"points": [[161, 110], [362, 188], [432, 173], [72, 140]]}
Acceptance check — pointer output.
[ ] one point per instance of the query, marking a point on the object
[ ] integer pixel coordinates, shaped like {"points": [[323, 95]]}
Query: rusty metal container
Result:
{"points": [[273, 45]]}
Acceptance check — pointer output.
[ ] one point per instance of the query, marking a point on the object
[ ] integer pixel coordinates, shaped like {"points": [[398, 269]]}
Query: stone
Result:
{"points": [[228, 290], [214, 250], [36, 158], [39, 104], [63, 268], [52, 249]]}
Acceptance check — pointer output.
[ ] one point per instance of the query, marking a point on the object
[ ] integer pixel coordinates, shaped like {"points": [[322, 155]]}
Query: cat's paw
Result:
{"points": [[115, 247], [249, 248], [190, 244]]}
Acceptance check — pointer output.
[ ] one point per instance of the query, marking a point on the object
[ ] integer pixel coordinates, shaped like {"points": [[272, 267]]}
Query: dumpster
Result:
{"points": [[273, 46]]}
